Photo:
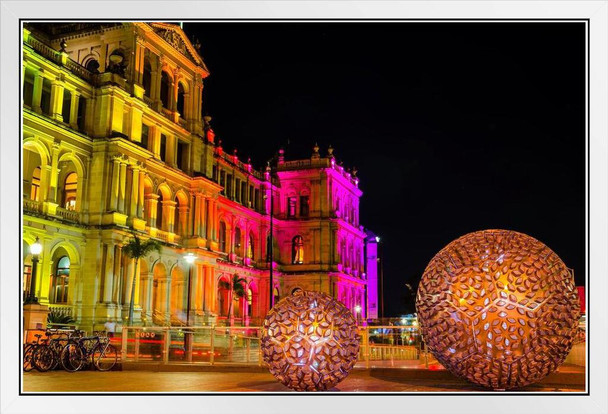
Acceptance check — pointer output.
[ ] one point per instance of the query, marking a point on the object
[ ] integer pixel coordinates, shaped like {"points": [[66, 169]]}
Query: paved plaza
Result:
{"points": [[257, 380]]}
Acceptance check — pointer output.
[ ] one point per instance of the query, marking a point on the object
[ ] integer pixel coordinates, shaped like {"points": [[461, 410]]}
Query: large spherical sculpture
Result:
{"points": [[498, 308], [310, 341]]}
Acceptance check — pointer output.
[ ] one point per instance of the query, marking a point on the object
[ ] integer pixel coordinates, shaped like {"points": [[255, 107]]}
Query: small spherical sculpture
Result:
{"points": [[498, 308], [310, 341]]}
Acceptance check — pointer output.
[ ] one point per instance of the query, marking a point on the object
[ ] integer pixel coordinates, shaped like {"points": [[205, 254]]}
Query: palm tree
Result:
{"points": [[136, 249], [236, 288]]}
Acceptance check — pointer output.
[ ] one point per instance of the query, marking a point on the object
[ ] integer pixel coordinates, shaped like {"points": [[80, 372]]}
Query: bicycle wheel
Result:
{"points": [[43, 358], [72, 357], [28, 351], [104, 357]]}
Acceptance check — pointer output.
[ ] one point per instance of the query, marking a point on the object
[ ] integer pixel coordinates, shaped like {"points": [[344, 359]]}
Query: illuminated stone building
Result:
{"points": [[114, 143]]}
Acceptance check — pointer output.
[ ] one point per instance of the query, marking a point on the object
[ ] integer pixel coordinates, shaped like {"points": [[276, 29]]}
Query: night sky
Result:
{"points": [[453, 127]]}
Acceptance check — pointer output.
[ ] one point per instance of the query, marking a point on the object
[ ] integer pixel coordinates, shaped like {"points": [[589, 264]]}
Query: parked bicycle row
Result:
{"points": [[71, 350]]}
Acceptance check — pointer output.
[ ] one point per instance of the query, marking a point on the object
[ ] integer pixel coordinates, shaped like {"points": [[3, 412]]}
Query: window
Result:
{"points": [[66, 109], [92, 65], [268, 248], [256, 203], [291, 207], [249, 302], [165, 89], [69, 191], [237, 192], [163, 147], [304, 206], [145, 132], [45, 99], [35, 189], [243, 192], [60, 281], [147, 78], [182, 155], [222, 236], [237, 241], [159, 213], [250, 247], [28, 87], [214, 173], [223, 182], [297, 250], [229, 186], [176, 223], [82, 109], [251, 200], [27, 277], [180, 99]]}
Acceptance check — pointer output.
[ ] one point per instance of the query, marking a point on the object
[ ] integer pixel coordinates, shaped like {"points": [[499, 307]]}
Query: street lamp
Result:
{"points": [[189, 258], [271, 241], [35, 250], [357, 312]]}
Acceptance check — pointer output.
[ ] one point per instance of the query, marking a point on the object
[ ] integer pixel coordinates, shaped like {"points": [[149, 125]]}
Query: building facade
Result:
{"points": [[115, 144]]}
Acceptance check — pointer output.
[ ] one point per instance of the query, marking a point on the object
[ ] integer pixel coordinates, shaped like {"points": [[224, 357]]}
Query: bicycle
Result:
{"points": [[28, 353], [47, 356], [75, 355]]}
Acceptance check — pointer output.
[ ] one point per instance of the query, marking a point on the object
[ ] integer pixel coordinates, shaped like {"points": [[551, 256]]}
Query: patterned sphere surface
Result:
{"points": [[498, 308], [310, 341]]}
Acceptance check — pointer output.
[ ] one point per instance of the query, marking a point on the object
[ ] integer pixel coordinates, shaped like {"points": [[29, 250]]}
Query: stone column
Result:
{"points": [[37, 93], [115, 184], [147, 303], [135, 190], [57, 100], [108, 274], [151, 208], [169, 215], [181, 228], [203, 217], [54, 175], [118, 268], [122, 188], [196, 231], [74, 110], [140, 202]]}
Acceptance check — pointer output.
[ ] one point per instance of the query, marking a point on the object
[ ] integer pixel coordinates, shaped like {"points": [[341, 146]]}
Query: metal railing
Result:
{"points": [[240, 345]]}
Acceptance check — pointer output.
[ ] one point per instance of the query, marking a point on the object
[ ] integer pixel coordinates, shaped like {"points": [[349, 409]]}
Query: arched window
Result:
{"points": [[69, 191], [249, 302], [297, 250], [176, 224], [147, 78], [35, 188], [180, 99], [92, 65], [60, 281], [268, 248], [159, 212], [275, 294], [165, 89], [222, 236], [237, 241], [250, 247]]}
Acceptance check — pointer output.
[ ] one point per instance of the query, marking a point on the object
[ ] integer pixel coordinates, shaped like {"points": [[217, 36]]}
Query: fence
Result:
{"points": [[240, 345]]}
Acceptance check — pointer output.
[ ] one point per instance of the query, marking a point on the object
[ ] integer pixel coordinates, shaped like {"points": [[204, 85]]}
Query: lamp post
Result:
{"points": [[270, 241], [35, 250], [189, 258]]}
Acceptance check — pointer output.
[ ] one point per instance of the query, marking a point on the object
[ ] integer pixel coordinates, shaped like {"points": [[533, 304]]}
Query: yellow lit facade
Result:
{"points": [[114, 143]]}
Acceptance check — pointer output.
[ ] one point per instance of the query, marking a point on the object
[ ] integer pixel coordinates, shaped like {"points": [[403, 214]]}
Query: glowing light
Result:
{"points": [[190, 258], [310, 351], [506, 336], [377, 239], [36, 247]]}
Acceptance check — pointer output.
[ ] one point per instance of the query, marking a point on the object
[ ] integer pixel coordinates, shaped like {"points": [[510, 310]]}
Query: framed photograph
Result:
{"points": [[270, 206]]}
